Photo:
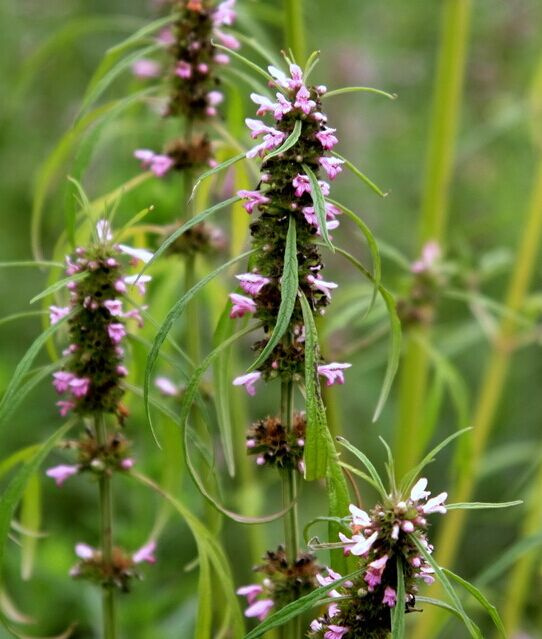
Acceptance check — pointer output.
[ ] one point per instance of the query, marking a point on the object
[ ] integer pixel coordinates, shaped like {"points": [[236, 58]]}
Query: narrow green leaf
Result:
{"points": [[473, 629], [288, 295], [15, 489], [477, 505], [396, 335], [30, 520], [290, 141], [295, 608], [398, 616], [440, 604], [217, 169], [354, 169], [18, 316], [57, 286], [481, 598], [197, 219], [319, 206], [367, 463], [174, 313], [37, 263], [246, 61], [312, 61], [330, 94]]}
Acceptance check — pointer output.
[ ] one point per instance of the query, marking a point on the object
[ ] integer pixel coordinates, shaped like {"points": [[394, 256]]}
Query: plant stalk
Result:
{"points": [[434, 210], [294, 29], [289, 496], [106, 537]]}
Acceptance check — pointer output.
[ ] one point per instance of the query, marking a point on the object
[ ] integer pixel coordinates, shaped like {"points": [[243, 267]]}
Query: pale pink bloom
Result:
{"points": [[254, 198], [241, 305], [373, 576], [359, 517], [227, 39], [250, 444], [322, 89], [222, 58], [359, 544], [316, 625], [114, 307], [120, 286], [166, 386], [183, 69], [146, 69], [431, 253], [203, 68], [127, 463], [426, 573], [265, 104], [161, 164], [282, 107], [258, 128], [65, 406], [279, 77], [145, 553], [319, 117], [390, 597], [166, 37], [303, 101], [84, 551], [250, 592], [103, 231], [56, 313], [138, 253], [140, 281], [321, 285], [214, 98], [260, 460], [333, 372], [248, 381], [332, 166], [326, 138], [418, 490], [335, 632], [260, 609], [252, 283], [407, 526], [61, 381], [224, 13], [136, 315], [301, 184], [270, 141], [116, 332], [333, 609], [435, 504], [61, 473], [79, 386]]}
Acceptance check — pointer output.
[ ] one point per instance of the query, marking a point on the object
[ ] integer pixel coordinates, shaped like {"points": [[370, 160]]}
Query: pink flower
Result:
{"points": [[426, 573], [166, 37], [248, 381], [272, 137], [141, 254], [224, 13], [139, 280], [61, 473], [418, 490], [227, 39], [260, 609], [56, 313], [335, 632], [166, 386], [435, 504], [103, 231], [325, 287], [265, 104], [333, 372], [79, 386], [359, 517], [326, 138], [61, 381], [127, 463], [241, 305], [332, 166], [222, 58], [301, 184], [183, 69], [252, 283], [84, 551], [214, 98], [145, 553], [303, 101], [114, 307], [282, 107], [255, 198], [116, 332], [250, 592], [390, 597], [158, 164], [373, 576], [146, 69], [258, 128], [203, 68], [65, 406], [358, 545], [297, 76], [431, 253], [279, 77]]}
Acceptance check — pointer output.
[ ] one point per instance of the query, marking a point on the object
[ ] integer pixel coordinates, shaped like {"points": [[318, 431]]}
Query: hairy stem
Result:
{"points": [[434, 209], [106, 537], [289, 496], [294, 29]]}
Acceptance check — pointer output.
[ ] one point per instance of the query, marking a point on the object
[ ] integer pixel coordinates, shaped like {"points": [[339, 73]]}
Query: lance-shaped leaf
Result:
{"points": [[288, 294], [217, 169], [398, 617], [354, 169], [290, 141], [319, 203], [330, 94]]}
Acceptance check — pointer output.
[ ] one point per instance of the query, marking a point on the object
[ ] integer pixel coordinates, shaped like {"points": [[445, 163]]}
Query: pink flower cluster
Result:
{"points": [[257, 607]]}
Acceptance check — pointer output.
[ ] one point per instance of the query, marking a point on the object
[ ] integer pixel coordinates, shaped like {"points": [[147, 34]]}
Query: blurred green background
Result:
{"points": [[391, 45]]}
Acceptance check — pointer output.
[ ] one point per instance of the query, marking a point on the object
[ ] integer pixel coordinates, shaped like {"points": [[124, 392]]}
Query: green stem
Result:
{"points": [[493, 384], [106, 537], [434, 209], [289, 495], [294, 29]]}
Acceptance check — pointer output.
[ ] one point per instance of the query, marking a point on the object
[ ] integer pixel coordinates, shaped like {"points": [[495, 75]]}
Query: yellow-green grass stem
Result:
{"points": [[294, 29]]}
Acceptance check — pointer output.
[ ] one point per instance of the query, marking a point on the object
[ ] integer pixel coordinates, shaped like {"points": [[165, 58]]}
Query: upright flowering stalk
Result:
{"points": [[294, 150], [91, 385]]}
